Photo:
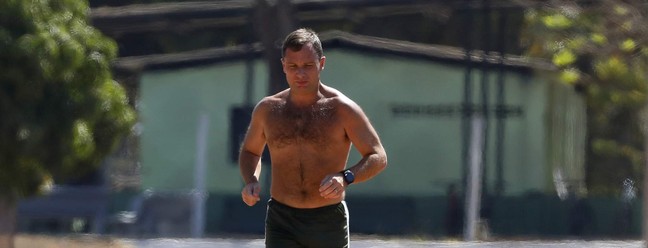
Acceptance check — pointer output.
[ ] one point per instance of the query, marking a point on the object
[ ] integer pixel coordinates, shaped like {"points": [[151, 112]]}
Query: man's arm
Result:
{"points": [[250, 157], [365, 139]]}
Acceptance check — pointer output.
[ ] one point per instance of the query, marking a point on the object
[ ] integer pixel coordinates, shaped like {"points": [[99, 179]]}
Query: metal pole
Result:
{"points": [[199, 193], [473, 196], [467, 106], [467, 122], [485, 92]]}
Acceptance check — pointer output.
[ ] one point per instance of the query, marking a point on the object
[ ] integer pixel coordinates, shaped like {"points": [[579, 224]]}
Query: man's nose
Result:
{"points": [[301, 72]]}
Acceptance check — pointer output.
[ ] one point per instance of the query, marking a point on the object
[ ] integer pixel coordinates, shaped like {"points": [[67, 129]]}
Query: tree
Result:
{"points": [[60, 111], [600, 48]]}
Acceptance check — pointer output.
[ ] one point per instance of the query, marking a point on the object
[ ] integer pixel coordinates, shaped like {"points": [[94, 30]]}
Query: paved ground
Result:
{"points": [[368, 243]]}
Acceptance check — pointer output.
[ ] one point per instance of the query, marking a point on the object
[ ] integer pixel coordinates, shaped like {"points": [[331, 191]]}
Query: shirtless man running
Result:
{"points": [[309, 129]]}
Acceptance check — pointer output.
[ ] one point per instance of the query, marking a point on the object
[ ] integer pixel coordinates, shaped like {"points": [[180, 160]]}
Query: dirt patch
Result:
{"points": [[68, 241]]}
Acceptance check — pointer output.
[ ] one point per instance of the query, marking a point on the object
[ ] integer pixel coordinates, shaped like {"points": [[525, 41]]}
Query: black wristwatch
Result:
{"points": [[348, 176]]}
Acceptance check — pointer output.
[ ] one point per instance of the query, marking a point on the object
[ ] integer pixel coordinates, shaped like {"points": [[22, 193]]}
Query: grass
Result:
{"points": [[66, 241]]}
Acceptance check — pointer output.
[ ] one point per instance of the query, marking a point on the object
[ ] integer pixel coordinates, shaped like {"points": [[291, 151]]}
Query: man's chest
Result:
{"points": [[312, 126]]}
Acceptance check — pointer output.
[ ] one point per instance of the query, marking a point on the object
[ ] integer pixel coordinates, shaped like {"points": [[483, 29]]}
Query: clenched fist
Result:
{"points": [[250, 193]]}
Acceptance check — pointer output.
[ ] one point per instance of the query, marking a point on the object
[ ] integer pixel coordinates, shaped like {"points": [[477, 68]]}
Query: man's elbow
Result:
{"points": [[246, 156], [382, 161]]}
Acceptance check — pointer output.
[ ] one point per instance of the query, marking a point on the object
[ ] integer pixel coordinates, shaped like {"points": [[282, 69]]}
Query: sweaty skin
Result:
{"points": [[309, 129]]}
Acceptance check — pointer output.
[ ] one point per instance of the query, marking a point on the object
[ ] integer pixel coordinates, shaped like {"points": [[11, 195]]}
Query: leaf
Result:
{"points": [[564, 58], [620, 10], [556, 21], [611, 68], [598, 39], [570, 76], [628, 45], [83, 142]]}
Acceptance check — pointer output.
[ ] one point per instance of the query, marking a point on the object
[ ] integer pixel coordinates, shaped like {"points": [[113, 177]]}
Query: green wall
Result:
{"points": [[424, 150], [171, 103]]}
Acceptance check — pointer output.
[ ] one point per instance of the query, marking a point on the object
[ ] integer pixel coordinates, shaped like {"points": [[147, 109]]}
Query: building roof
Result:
{"points": [[203, 14], [330, 40]]}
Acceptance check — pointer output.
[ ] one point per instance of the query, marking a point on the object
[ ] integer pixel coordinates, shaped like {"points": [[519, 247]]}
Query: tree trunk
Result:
{"points": [[7, 222], [272, 23]]}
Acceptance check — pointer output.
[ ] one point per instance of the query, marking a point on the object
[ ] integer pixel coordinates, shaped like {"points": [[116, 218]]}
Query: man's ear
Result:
{"points": [[283, 65], [322, 62]]}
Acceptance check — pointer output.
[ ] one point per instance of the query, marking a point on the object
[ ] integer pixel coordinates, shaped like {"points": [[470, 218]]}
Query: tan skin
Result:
{"points": [[309, 129]]}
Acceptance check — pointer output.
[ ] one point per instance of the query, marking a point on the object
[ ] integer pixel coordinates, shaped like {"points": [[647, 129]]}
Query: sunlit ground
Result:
{"points": [[75, 241], [89, 241], [397, 243]]}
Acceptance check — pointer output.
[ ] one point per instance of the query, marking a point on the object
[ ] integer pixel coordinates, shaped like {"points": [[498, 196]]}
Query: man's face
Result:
{"points": [[303, 68]]}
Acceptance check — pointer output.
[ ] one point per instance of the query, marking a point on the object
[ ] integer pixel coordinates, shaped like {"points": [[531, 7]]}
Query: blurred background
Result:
{"points": [[505, 119]]}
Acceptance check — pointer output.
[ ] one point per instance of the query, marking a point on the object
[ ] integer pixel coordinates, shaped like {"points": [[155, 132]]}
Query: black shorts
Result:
{"points": [[287, 227]]}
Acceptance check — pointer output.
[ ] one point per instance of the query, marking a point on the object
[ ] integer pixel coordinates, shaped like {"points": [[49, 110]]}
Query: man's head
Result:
{"points": [[302, 61], [300, 37]]}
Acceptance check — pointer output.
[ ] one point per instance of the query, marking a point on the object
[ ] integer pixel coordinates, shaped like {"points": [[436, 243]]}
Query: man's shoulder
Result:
{"points": [[336, 96], [273, 99], [343, 103], [266, 105]]}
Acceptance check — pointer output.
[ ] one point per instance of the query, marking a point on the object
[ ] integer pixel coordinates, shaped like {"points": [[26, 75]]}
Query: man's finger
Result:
{"points": [[255, 190], [326, 186], [250, 199], [332, 193], [250, 202], [326, 181], [328, 191]]}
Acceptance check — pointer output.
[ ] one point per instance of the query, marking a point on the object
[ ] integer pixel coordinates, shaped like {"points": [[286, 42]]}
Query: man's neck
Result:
{"points": [[305, 99]]}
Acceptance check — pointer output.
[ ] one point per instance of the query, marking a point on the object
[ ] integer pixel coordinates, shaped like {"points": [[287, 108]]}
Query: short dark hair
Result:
{"points": [[300, 37]]}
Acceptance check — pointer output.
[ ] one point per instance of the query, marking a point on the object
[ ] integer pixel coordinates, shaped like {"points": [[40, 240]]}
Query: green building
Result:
{"points": [[421, 100]]}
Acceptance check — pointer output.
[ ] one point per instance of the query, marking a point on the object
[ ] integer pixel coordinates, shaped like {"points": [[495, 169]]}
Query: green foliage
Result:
{"points": [[556, 21], [61, 113], [563, 58], [603, 52], [570, 76]]}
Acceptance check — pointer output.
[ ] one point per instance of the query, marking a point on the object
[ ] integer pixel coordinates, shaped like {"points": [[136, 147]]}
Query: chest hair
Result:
{"points": [[291, 125]]}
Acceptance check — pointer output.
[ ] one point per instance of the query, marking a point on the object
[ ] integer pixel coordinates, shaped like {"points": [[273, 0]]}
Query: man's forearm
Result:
{"points": [[369, 166], [250, 166]]}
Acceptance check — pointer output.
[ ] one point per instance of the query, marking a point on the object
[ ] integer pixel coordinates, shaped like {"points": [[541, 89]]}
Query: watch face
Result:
{"points": [[349, 177]]}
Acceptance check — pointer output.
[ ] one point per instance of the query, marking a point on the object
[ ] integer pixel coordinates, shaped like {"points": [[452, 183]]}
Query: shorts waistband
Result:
{"points": [[274, 203]]}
